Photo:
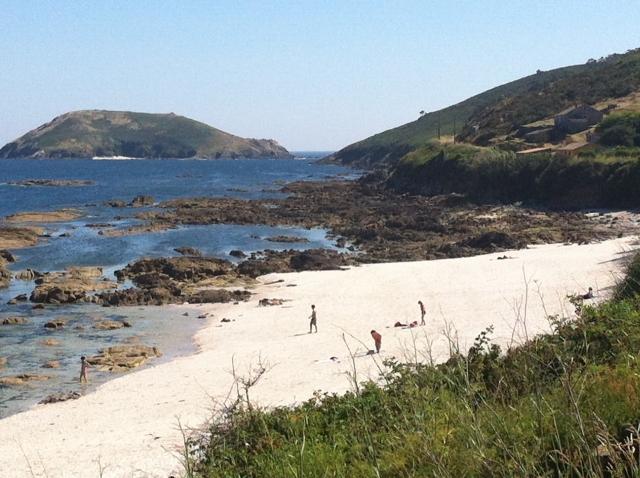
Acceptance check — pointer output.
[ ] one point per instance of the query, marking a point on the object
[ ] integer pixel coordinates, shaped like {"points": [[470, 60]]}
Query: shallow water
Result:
{"points": [[123, 180]]}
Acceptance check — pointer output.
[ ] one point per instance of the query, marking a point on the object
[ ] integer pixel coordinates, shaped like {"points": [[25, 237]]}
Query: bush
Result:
{"points": [[560, 405]]}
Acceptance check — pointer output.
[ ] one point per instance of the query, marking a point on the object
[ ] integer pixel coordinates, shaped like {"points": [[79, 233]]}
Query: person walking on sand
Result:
{"points": [[84, 365], [314, 320], [377, 340], [422, 313]]}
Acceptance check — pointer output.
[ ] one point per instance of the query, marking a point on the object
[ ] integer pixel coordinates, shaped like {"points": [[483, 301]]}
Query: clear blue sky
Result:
{"points": [[311, 74]]}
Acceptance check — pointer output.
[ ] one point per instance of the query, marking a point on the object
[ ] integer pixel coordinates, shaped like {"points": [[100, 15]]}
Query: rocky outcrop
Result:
{"points": [[60, 397], [293, 261], [70, 286], [3, 362], [121, 358], [14, 321], [28, 275], [18, 237], [63, 215], [111, 324], [181, 269], [57, 323], [287, 239], [53, 182], [22, 379], [142, 201], [188, 251]]}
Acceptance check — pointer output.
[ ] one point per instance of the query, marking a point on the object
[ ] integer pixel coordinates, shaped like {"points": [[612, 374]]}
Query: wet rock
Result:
{"points": [[142, 201], [22, 379], [286, 239], [53, 182], [50, 342], [123, 357], [7, 256], [51, 364], [72, 285], [38, 307], [135, 296], [237, 253], [183, 269], [28, 274], [108, 325], [14, 321], [188, 251], [293, 261], [21, 298], [60, 397], [56, 323]]}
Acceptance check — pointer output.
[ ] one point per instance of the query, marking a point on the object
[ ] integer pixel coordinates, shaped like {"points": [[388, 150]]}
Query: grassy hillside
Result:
{"points": [[122, 133], [565, 404], [601, 178], [501, 109]]}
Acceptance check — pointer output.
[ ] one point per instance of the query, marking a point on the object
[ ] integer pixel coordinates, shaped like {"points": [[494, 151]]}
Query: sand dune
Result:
{"points": [[129, 426]]}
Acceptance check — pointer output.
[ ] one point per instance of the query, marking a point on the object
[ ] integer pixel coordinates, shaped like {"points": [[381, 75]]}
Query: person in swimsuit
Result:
{"points": [[84, 365], [377, 340], [314, 320]]}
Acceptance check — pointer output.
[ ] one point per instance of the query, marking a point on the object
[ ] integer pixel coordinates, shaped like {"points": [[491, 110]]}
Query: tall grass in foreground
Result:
{"points": [[565, 404]]}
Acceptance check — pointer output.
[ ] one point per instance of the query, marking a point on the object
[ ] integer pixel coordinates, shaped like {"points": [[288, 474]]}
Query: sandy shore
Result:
{"points": [[129, 426]]}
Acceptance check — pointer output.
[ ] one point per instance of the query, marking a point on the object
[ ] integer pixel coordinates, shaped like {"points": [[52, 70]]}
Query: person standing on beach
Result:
{"points": [[84, 365], [422, 312], [314, 319], [377, 340]]}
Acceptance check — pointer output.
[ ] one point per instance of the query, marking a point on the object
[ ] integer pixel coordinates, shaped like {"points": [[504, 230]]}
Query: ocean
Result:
{"points": [[74, 244]]}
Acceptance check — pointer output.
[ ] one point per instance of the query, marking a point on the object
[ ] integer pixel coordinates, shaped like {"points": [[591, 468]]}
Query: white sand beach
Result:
{"points": [[130, 425]]}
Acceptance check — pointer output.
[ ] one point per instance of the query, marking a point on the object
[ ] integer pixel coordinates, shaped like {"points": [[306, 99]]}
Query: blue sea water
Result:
{"points": [[82, 245]]}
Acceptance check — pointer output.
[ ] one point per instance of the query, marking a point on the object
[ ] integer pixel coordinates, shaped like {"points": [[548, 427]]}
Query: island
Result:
{"points": [[124, 134]]}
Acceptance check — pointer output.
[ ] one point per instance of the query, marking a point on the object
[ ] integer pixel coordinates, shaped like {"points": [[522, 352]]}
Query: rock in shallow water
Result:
{"points": [[111, 324], [22, 379], [120, 358], [60, 397], [14, 321]]}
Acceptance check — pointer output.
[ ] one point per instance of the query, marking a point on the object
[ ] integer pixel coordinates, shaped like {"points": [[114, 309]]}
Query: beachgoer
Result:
{"points": [[377, 340], [314, 319], [422, 312], [589, 294], [84, 365]]}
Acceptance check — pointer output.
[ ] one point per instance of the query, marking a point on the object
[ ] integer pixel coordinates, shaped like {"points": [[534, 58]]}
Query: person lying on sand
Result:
{"points": [[314, 319], [84, 365], [377, 340], [589, 294]]}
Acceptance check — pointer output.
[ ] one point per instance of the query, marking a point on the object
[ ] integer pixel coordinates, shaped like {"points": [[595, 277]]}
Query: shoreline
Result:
{"points": [[130, 426]]}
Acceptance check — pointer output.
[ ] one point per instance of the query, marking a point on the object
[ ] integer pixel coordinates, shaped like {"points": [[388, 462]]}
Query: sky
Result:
{"points": [[314, 75]]}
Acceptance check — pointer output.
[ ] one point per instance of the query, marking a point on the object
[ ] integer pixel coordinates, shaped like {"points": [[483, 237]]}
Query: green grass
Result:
{"points": [[607, 177], [548, 408]]}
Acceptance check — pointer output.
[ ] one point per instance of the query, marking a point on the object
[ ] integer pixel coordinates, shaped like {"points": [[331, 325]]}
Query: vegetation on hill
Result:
{"points": [[621, 129], [606, 178], [562, 404], [140, 135], [502, 109]]}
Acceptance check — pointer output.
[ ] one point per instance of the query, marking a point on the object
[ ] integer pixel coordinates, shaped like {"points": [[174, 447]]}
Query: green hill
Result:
{"points": [[502, 109], [93, 133]]}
